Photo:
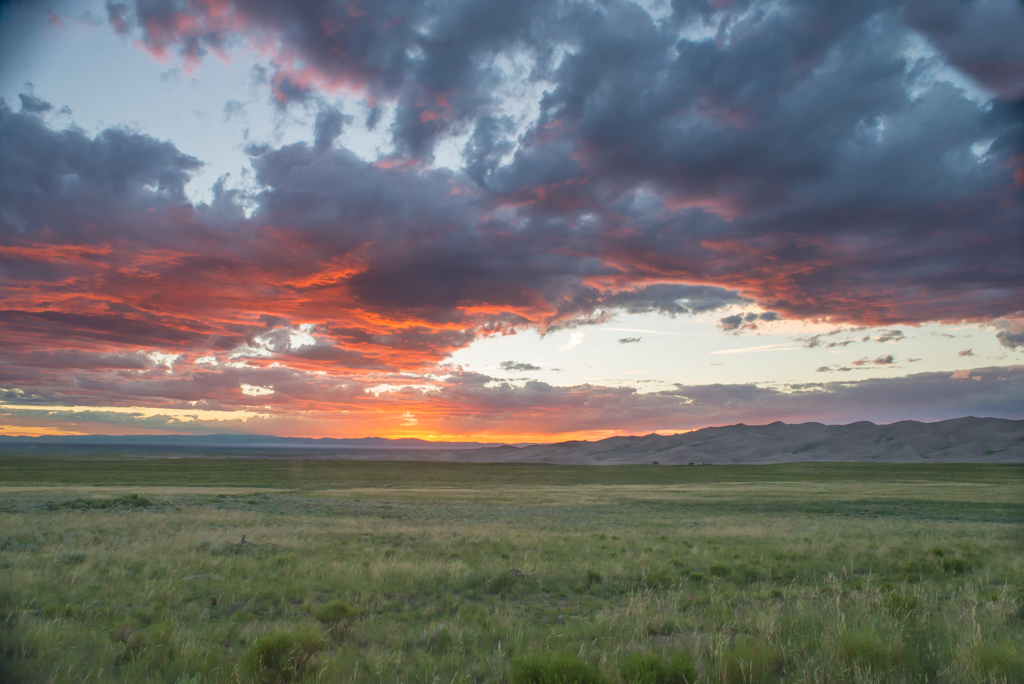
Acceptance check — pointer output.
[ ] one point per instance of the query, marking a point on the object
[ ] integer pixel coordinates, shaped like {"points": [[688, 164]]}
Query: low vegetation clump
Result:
{"points": [[79, 504], [751, 661], [273, 572], [281, 657], [555, 669], [335, 616], [648, 668]]}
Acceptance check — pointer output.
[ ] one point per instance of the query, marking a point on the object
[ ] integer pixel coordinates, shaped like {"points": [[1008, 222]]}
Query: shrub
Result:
{"points": [[956, 566], [868, 648], [134, 501], [502, 584], [666, 628], [335, 613], [752, 662], [750, 574], [719, 570], [901, 605], [54, 610], [593, 577], [439, 641], [282, 657], [554, 669], [1001, 659], [696, 577], [658, 580], [71, 558], [640, 668]]}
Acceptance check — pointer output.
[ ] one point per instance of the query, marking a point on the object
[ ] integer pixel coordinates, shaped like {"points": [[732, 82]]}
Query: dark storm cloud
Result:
{"points": [[434, 60], [429, 253], [807, 155], [70, 183], [980, 38]]}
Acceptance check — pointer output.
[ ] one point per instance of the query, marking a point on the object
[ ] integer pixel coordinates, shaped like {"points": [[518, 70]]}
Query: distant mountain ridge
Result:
{"points": [[970, 440], [236, 440], [962, 440]]}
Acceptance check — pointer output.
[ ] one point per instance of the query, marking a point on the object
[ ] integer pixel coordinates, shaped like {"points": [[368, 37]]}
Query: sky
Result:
{"points": [[508, 221]]}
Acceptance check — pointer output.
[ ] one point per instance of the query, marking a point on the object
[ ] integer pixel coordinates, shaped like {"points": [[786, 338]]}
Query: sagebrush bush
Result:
{"points": [[281, 657], [750, 661], [336, 614], [502, 584], [554, 669], [719, 570], [659, 580], [1002, 660], [639, 668], [868, 649], [439, 641]]}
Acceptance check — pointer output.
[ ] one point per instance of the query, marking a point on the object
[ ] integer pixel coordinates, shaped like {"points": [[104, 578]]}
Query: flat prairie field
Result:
{"points": [[116, 569]]}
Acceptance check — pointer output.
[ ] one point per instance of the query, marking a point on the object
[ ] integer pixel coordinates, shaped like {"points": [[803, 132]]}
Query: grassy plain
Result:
{"points": [[402, 572]]}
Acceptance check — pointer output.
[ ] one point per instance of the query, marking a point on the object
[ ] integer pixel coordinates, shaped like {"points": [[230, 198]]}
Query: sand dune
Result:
{"points": [[964, 440]]}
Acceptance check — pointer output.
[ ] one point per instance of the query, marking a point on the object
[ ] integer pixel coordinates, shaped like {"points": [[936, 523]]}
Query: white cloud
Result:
{"points": [[575, 338], [256, 390], [162, 359]]}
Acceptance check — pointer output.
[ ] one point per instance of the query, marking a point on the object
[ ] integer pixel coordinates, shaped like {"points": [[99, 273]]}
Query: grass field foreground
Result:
{"points": [[128, 570]]}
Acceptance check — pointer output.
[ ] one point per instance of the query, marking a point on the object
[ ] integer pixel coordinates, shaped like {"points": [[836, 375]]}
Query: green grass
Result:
{"points": [[386, 572]]}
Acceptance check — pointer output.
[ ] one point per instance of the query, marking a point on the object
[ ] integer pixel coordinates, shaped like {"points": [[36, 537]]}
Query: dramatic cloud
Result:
{"points": [[800, 156], [856, 164]]}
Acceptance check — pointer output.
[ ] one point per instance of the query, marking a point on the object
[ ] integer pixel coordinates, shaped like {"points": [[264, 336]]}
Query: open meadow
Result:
{"points": [[120, 569]]}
